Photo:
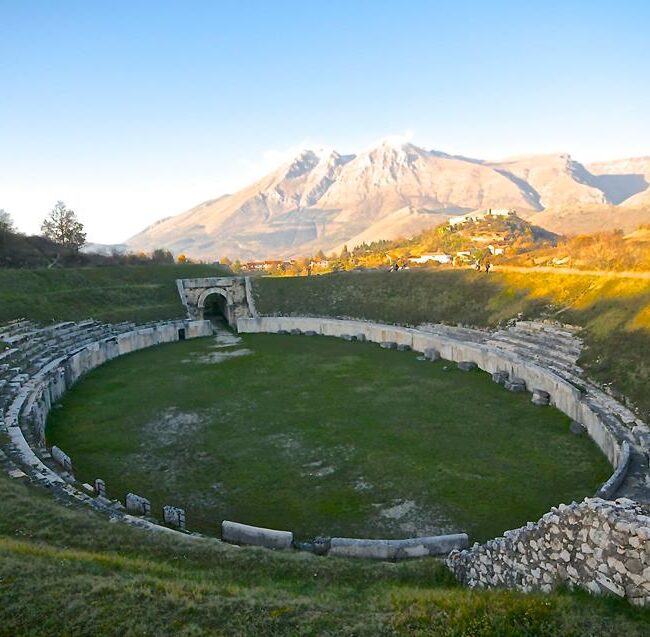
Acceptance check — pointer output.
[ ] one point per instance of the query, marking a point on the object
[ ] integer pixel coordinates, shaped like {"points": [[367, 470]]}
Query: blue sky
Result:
{"points": [[132, 111]]}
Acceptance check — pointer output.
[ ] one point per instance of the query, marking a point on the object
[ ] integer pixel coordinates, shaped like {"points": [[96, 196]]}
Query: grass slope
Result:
{"points": [[66, 571], [614, 312], [322, 437], [120, 293]]}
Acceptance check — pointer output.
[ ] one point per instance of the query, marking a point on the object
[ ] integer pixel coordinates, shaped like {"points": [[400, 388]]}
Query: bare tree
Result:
{"points": [[6, 222], [63, 227]]}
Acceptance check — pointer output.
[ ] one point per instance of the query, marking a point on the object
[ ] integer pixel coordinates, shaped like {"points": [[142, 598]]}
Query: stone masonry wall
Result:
{"points": [[598, 545]]}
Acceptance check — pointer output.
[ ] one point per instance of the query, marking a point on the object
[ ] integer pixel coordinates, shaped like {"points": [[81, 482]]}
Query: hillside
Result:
{"points": [[491, 237], [67, 571], [119, 293], [322, 200], [581, 219]]}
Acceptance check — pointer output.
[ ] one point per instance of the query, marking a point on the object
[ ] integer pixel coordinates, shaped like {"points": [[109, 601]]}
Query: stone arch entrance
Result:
{"points": [[235, 292], [212, 303]]}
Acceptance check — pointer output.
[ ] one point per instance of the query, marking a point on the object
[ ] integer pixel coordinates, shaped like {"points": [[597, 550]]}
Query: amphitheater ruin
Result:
{"points": [[601, 544]]}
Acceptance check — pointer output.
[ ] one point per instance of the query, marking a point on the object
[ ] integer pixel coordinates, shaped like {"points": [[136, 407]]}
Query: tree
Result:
{"points": [[182, 258], [162, 256], [225, 261], [6, 222], [345, 254], [63, 227]]}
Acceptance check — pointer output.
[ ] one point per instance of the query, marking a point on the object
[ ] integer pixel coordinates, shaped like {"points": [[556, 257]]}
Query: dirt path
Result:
{"points": [[551, 270]]}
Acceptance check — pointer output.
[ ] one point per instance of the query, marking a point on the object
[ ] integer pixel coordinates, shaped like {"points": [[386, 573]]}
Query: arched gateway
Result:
{"points": [[236, 292]]}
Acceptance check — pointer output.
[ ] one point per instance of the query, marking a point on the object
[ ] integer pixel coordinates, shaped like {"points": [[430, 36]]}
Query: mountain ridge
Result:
{"points": [[320, 199]]}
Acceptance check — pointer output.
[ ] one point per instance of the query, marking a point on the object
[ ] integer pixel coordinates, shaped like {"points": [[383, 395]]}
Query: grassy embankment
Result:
{"points": [[126, 293], [323, 437], [65, 571], [613, 312]]}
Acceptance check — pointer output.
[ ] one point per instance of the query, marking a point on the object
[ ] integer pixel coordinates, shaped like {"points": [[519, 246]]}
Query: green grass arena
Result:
{"points": [[322, 437]]}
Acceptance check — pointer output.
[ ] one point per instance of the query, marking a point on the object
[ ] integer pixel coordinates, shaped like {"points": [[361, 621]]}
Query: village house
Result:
{"points": [[263, 266], [426, 258]]}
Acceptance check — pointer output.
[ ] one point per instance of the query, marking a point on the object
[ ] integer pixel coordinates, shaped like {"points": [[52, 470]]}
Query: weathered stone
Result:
{"points": [[137, 504], [397, 549], [500, 377], [403, 347], [295, 332], [467, 366], [310, 333], [61, 458], [100, 488], [431, 354], [576, 428], [237, 533], [540, 397], [515, 385], [174, 516], [388, 345]]}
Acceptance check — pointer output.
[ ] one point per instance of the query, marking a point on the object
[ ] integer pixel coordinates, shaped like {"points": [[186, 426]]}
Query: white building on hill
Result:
{"points": [[477, 216], [438, 258]]}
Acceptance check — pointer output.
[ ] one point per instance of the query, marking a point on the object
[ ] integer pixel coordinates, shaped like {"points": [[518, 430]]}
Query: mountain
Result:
{"points": [[553, 180], [625, 181], [321, 200]]}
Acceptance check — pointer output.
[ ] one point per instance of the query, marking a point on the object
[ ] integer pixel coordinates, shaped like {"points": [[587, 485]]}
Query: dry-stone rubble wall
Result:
{"points": [[598, 545]]}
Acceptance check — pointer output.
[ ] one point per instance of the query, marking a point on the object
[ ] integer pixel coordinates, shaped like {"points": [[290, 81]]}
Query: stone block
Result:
{"points": [[540, 397], [310, 333], [467, 366], [174, 516], [576, 428], [283, 332], [397, 549], [295, 332], [388, 345], [515, 385], [403, 347], [432, 354], [361, 337], [237, 533], [61, 458], [137, 504], [500, 377], [347, 337], [100, 488]]}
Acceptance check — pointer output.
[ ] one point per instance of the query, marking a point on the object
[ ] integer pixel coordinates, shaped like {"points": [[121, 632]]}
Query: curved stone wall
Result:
{"points": [[520, 559]]}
